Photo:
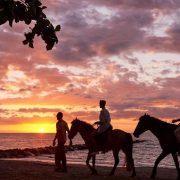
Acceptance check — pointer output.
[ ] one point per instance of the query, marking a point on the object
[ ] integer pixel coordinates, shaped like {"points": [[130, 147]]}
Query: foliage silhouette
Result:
{"points": [[29, 11]]}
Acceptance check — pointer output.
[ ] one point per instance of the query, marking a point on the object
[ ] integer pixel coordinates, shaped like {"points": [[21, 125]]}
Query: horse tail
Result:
{"points": [[128, 150]]}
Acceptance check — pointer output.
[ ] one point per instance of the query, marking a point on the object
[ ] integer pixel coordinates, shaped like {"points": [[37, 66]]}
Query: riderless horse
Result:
{"points": [[165, 133]]}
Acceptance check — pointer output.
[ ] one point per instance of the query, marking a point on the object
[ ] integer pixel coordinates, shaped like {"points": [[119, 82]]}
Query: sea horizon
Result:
{"points": [[145, 152]]}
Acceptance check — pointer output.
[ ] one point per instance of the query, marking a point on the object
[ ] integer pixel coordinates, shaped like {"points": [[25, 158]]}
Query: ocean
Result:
{"points": [[144, 153]]}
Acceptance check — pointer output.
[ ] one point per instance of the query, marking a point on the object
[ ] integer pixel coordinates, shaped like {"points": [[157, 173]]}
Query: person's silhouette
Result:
{"points": [[104, 124], [104, 118], [60, 156]]}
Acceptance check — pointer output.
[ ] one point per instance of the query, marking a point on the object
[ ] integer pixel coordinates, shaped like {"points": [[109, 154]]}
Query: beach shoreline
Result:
{"points": [[25, 170]]}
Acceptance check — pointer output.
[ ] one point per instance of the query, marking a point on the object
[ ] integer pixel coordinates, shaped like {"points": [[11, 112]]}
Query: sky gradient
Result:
{"points": [[123, 51]]}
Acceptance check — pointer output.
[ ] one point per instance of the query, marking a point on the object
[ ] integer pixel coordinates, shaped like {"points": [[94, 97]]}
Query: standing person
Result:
{"points": [[104, 123], [60, 156]]}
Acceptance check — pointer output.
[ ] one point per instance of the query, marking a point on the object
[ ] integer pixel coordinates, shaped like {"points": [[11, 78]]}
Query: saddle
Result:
{"points": [[101, 138]]}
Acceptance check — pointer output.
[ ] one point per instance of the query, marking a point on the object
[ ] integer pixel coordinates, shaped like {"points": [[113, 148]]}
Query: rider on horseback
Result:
{"points": [[104, 124]]}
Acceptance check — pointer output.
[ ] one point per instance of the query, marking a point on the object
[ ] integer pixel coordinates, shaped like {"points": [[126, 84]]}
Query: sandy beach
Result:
{"points": [[22, 170]]}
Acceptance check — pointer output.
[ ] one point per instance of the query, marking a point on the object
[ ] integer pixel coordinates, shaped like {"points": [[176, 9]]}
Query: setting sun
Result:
{"points": [[41, 130]]}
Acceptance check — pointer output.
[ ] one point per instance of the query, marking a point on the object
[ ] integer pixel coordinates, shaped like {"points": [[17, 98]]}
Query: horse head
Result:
{"points": [[142, 125], [84, 128], [74, 128]]}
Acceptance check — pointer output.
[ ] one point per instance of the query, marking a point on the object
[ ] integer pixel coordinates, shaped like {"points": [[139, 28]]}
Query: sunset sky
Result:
{"points": [[123, 51]]}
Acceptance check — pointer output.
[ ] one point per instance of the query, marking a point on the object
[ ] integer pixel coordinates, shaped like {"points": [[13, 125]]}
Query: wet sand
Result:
{"points": [[22, 170]]}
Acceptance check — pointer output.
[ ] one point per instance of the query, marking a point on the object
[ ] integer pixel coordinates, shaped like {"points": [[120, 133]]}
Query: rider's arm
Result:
{"points": [[98, 123]]}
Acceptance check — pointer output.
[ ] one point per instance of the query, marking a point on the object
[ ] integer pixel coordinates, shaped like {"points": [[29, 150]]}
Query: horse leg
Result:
{"points": [[161, 156], [134, 171], [116, 162], [94, 161], [130, 163], [90, 167], [129, 158], [176, 164]]}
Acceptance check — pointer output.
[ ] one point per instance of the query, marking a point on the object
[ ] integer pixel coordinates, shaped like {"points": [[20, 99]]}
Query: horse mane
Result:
{"points": [[83, 123], [158, 120], [166, 126]]}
